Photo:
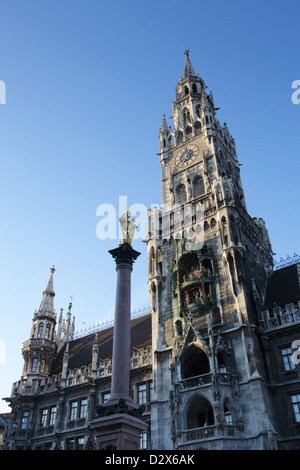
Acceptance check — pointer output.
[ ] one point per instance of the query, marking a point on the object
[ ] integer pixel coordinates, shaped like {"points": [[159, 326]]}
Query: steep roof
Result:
{"points": [[283, 287], [80, 350]]}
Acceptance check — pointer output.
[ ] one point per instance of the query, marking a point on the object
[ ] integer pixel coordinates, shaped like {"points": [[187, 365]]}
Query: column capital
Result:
{"points": [[124, 254]]}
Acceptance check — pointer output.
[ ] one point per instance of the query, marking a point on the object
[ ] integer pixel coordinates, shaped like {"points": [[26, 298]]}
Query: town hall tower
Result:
{"points": [[209, 262]]}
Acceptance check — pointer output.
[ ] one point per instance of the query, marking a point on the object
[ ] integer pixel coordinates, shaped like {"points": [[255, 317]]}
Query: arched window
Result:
{"points": [[194, 363], [200, 413], [194, 88], [198, 186], [198, 127], [227, 416], [153, 289], [186, 90], [47, 331], [152, 262], [188, 131], [181, 194], [40, 330], [221, 363], [159, 261], [179, 137], [227, 413], [178, 325]]}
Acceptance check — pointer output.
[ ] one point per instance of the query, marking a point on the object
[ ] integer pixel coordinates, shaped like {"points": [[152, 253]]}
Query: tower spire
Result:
{"points": [[188, 68], [47, 305]]}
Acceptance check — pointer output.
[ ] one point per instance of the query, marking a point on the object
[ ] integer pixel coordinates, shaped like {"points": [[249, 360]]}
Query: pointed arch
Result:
{"points": [[48, 331], [194, 362], [40, 330], [227, 409], [179, 137], [198, 127], [199, 413], [159, 264], [188, 131]]}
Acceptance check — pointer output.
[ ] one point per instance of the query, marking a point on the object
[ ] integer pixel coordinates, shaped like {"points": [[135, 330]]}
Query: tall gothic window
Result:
{"points": [[47, 331], [197, 127], [181, 194], [40, 330], [198, 186]]}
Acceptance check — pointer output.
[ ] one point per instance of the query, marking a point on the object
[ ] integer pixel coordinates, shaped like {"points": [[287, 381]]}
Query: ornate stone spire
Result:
{"points": [[188, 68], [47, 305], [164, 125]]}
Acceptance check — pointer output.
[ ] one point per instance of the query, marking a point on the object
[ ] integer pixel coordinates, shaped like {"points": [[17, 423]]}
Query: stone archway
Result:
{"points": [[195, 362], [199, 413]]}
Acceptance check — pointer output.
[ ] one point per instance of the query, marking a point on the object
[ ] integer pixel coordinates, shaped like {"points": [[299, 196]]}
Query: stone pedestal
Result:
{"points": [[119, 424], [119, 431]]}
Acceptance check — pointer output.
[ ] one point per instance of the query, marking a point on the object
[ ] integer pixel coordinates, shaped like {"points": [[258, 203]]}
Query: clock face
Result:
{"points": [[186, 156]]}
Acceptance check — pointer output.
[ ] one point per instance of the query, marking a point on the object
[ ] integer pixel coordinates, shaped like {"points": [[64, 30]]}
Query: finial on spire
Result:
{"points": [[164, 125], [188, 68], [52, 269]]}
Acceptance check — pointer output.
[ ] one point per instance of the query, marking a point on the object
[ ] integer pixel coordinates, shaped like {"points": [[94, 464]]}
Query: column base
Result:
{"points": [[118, 431]]}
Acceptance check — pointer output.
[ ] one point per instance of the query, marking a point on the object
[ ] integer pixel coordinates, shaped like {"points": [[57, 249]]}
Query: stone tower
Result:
{"points": [[209, 262], [40, 350]]}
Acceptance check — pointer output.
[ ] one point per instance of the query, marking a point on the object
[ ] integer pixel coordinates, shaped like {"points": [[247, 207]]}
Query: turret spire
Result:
{"points": [[188, 68], [47, 305]]}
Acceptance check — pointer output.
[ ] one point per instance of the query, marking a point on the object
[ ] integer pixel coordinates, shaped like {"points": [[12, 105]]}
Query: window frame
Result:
{"points": [[25, 420], [296, 403], [287, 359]]}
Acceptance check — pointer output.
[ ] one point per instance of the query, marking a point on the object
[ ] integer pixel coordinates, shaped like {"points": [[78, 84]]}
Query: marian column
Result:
{"points": [[119, 424], [124, 257]]}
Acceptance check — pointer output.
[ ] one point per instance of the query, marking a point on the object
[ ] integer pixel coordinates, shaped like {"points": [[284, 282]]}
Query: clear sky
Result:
{"points": [[86, 85]]}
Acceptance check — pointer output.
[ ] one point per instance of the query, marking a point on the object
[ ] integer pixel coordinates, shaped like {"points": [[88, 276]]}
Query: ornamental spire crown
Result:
{"points": [[46, 307], [188, 68]]}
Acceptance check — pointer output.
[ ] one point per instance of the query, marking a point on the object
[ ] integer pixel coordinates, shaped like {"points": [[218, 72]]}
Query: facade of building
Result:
{"points": [[214, 363]]}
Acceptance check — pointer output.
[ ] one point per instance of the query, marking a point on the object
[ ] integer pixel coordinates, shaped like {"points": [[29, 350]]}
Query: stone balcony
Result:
{"points": [[206, 379], [281, 316], [209, 432]]}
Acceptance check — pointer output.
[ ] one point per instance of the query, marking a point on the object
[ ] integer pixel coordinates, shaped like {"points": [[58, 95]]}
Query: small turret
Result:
{"points": [[39, 351]]}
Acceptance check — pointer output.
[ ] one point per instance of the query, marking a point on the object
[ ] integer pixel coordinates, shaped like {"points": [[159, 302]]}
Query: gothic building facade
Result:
{"points": [[214, 362]]}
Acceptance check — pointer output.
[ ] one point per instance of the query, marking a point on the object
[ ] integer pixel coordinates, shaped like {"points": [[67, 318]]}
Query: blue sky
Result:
{"points": [[86, 86]]}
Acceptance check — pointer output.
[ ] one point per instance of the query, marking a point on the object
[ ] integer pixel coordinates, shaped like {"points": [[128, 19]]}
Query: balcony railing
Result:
{"points": [[282, 316], [207, 432], [45, 385], [139, 358], [207, 379], [197, 381]]}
